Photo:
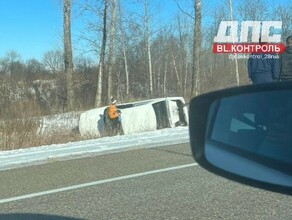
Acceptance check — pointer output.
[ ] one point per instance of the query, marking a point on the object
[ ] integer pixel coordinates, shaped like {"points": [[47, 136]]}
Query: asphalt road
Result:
{"points": [[150, 183]]}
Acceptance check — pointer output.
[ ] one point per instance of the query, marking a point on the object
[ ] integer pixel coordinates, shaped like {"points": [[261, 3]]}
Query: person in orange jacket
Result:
{"points": [[114, 116], [113, 111]]}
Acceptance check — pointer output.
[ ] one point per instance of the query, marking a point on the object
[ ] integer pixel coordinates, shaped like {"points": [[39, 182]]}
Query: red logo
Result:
{"points": [[248, 48]]}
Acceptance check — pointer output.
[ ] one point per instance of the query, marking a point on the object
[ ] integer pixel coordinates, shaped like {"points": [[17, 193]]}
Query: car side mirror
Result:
{"points": [[245, 134]]}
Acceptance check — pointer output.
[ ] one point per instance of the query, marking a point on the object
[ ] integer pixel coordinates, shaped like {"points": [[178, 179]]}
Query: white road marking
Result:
{"points": [[79, 186]]}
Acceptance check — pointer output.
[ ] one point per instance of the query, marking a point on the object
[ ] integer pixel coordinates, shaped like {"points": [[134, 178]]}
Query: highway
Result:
{"points": [[145, 183]]}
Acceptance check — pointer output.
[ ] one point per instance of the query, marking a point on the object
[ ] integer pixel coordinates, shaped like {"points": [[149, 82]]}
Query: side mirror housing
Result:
{"points": [[245, 134]]}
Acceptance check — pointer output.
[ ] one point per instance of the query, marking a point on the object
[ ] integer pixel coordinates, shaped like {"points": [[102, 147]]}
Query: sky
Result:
{"points": [[33, 27], [30, 27]]}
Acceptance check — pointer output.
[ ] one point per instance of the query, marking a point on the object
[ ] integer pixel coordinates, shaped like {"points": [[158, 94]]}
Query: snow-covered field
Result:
{"points": [[46, 154]]}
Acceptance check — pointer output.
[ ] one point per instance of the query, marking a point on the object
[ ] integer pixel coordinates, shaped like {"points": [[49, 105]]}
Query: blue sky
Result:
{"points": [[29, 27], [33, 27]]}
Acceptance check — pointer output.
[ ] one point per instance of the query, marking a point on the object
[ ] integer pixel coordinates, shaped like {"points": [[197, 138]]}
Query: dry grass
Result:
{"points": [[19, 127], [23, 133], [17, 133]]}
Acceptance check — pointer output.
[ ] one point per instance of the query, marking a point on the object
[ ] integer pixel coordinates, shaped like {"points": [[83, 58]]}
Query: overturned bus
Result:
{"points": [[137, 117]]}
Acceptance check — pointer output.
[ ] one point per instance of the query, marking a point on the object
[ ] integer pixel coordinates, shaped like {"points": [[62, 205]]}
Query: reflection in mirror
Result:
{"points": [[257, 128]]}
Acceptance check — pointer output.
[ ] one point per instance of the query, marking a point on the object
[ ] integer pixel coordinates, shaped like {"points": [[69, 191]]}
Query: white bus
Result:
{"points": [[139, 116]]}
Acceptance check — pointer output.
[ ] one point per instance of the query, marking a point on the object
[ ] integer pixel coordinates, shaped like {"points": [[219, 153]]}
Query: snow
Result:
{"points": [[50, 153]]}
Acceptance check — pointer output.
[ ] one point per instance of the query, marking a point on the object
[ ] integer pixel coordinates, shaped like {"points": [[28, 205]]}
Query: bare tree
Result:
{"points": [[125, 57], [177, 75], [254, 10], [9, 62], [83, 64], [184, 39], [284, 14], [147, 41], [166, 69], [98, 97], [196, 49], [34, 67], [111, 47], [68, 60], [235, 60], [54, 61]]}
